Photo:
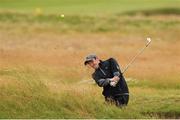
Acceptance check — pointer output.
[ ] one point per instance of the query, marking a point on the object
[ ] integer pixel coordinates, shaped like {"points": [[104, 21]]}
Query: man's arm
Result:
{"points": [[101, 82], [116, 72], [112, 81], [115, 78]]}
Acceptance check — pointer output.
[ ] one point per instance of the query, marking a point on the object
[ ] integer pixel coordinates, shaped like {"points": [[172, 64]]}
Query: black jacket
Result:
{"points": [[108, 69]]}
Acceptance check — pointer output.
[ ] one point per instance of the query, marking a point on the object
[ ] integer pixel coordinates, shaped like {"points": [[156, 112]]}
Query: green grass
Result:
{"points": [[94, 15], [30, 96], [85, 7], [70, 23], [45, 86], [159, 11]]}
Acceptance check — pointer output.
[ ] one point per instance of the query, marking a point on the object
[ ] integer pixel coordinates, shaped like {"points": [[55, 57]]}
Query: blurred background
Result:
{"points": [[43, 44]]}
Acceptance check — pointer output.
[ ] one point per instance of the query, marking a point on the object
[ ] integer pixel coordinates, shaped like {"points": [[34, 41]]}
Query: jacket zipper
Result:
{"points": [[102, 71]]}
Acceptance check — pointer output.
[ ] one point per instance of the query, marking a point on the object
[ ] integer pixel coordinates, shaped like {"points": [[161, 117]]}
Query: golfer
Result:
{"points": [[108, 75]]}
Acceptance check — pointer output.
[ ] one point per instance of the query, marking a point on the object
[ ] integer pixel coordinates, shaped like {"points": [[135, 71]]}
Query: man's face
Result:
{"points": [[94, 63]]}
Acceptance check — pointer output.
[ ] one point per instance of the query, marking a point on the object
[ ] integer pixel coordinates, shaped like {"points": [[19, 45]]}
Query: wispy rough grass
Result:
{"points": [[89, 23], [41, 63], [31, 93]]}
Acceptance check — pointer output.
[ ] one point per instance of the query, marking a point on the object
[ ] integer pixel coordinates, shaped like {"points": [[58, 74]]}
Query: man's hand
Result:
{"points": [[114, 81]]}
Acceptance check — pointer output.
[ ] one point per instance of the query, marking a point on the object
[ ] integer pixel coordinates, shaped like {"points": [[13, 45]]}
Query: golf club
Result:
{"points": [[134, 58], [130, 63]]}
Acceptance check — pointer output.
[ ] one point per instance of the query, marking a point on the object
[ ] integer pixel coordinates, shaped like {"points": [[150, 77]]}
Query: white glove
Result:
{"points": [[113, 83]]}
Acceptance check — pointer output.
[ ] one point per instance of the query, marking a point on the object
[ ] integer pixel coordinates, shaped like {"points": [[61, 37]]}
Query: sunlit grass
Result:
{"points": [[88, 24], [41, 65], [81, 7], [36, 93]]}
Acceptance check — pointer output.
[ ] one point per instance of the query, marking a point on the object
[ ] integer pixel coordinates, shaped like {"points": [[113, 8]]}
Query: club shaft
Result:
{"points": [[134, 58]]}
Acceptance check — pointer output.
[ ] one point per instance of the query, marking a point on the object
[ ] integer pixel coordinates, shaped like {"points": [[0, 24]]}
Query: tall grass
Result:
{"points": [[89, 24], [41, 65], [36, 93]]}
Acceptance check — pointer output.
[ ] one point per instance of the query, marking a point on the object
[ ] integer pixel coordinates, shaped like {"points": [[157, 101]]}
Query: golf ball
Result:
{"points": [[62, 15]]}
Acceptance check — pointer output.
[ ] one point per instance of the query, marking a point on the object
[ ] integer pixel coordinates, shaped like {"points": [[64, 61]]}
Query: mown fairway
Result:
{"points": [[42, 54], [84, 7]]}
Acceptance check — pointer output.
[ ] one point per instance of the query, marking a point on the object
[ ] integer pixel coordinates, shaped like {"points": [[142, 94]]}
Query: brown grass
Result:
{"points": [[64, 51]]}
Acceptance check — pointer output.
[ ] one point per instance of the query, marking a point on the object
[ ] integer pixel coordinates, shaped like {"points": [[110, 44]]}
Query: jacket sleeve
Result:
{"points": [[101, 82], [115, 67]]}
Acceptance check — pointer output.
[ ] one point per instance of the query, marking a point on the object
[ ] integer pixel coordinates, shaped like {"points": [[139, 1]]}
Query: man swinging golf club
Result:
{"points": [[108, 75]]}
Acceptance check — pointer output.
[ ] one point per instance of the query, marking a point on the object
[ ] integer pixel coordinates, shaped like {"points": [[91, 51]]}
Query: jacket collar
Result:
{"points": [[100, 65]]}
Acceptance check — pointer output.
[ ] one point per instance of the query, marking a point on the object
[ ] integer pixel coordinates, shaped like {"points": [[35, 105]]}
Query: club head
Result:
{"points": [[148, 41]]}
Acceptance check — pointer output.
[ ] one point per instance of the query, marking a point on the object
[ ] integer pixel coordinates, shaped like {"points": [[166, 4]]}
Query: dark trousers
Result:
{"points": [[119, 100]]}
